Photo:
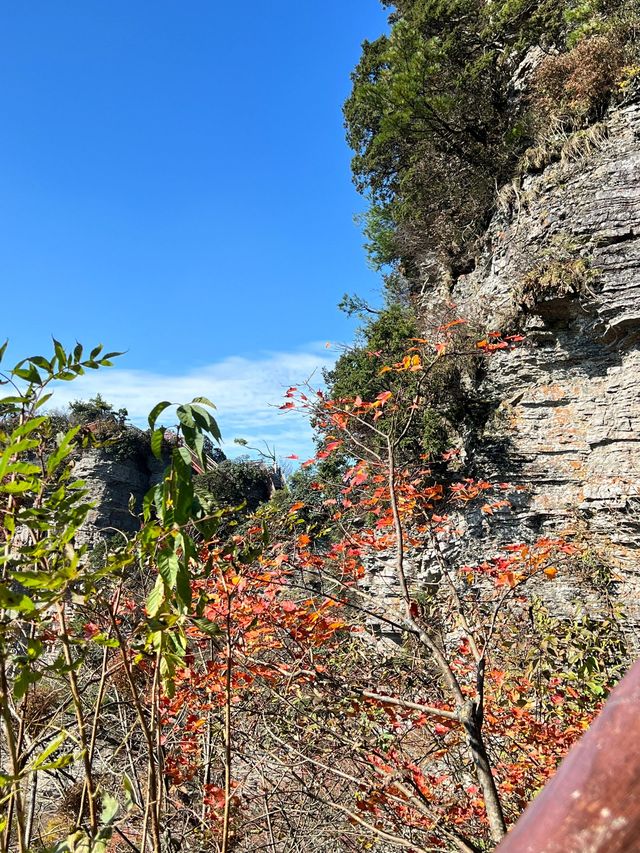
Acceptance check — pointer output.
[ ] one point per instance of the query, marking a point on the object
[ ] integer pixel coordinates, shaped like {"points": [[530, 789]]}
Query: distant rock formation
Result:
{"points": [[110, 483], [115, 475]]}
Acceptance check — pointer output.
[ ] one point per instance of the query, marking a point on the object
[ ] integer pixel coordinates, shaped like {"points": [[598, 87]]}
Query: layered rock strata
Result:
{"points": [[561, 264]]}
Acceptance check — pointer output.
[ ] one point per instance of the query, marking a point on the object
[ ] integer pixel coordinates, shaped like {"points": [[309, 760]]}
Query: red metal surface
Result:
{"points": [[592, 804]]}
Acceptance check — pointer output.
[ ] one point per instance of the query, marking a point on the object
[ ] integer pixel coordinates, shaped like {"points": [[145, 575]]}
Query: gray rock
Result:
{"points": [[111, 483], [561, 262]]}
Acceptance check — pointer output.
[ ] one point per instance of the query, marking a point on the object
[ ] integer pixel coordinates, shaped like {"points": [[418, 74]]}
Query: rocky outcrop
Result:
{"points": [[112, 483], [561, 264], [118, 477]]}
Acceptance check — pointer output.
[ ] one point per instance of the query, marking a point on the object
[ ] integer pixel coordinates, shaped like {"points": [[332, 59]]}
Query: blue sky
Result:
{"points": [[174, 182]]}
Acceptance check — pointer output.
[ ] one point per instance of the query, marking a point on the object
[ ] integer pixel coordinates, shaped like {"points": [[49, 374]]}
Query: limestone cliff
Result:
{"points": [[561, 263], [111, 483], [117, 477]]}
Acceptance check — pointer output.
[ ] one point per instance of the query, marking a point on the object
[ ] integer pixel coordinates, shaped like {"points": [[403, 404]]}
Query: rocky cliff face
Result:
{"points": [[111, 482], [116, 478], [561, 263]]}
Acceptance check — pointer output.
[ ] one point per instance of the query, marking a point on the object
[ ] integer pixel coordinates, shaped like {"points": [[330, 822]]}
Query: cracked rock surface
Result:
{"points": [[566, 402]]}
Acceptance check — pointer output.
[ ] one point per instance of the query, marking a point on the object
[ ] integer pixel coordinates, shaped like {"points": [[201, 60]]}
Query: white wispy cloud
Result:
{"points": [[246, 392]]}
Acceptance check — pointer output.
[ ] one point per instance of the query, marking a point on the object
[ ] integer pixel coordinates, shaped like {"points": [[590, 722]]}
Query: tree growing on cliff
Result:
{"points": [[457, 634], [435, 123]]}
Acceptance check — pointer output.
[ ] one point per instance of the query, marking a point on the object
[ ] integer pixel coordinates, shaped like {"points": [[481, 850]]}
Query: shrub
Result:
{"points": [[236, 482], [576, 86], [95, 410]]}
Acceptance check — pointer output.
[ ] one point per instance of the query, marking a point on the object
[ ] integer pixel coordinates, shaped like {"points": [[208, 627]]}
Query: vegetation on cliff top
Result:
{"points": [[438, 117]]}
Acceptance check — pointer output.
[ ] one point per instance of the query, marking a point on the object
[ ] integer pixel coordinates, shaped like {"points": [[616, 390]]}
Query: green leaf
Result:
{"points": [[129, 793], [196, 443], [34, 648], [214, 429], [185, 416], [206, 421], [212, 629], [182, 456], [41, 362], [44, 399], [109, 809], [157, 437], [11, 600], [25, 469], [152, 498], [16, 401], [156, 598], [183, 586], [63, 450], [39, 580], [3, 349], [168, 566], [14, 487], [23, 680], [157, 409], [104, 641], [29, 426], [76, 842], [60, 353], [204, 400], [29, 374], [62, 761], [54, 745]]}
